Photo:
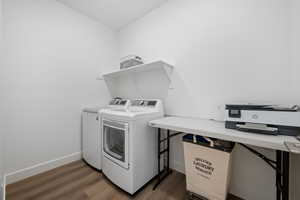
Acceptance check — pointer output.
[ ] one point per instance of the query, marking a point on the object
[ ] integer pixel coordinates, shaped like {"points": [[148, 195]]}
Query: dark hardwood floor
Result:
{"points": [[77, 181]]}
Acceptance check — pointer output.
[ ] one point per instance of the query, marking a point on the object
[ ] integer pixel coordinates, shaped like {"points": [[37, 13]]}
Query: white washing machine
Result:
{"points": [[129, 144], [91, 139], [91, 133]]}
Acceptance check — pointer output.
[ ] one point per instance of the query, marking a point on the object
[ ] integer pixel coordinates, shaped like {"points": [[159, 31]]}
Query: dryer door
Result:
{"points": [[115, 142]]}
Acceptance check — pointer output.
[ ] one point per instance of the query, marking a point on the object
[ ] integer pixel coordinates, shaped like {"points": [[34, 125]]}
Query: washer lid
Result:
{"points": [[94, 109]]}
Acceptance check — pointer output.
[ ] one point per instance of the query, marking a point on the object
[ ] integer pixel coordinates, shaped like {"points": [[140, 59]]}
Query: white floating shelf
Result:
{"points": [[157, 65]]}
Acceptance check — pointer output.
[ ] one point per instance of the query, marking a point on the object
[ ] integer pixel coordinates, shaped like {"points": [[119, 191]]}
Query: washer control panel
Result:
{"points": [[119, 102]]}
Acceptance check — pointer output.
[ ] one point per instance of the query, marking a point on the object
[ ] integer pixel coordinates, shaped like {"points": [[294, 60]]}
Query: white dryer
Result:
{"points": [[129, 144]]}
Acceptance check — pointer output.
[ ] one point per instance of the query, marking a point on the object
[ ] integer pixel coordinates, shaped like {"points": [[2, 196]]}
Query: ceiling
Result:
{"points": [[114, 13]]}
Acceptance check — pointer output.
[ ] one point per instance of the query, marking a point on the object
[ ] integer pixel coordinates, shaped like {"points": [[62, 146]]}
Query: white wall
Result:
{"points": [[1, 130], [295, 47], [53, 55], [295, 63], [223, 51]]}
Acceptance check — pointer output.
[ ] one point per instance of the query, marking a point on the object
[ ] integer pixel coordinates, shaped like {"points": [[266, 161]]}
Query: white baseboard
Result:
{"points": [[2, 192], [2, 189], [41, 167]]}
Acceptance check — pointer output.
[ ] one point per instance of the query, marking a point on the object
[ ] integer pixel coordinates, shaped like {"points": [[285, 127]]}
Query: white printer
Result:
{"points": [[264, 119]]}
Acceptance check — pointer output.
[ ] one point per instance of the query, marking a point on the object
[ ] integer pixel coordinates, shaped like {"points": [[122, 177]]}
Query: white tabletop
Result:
{"points": [[216, 129]]}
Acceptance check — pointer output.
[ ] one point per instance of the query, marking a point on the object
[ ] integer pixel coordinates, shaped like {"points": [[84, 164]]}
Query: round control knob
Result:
{"points": [[255, 116]]}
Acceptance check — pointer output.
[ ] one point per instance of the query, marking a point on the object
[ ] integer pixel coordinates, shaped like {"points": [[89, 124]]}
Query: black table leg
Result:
{"points": [[278, 175], [161, 175], [168, 152], [158, 158], [285, 175], [282, 175]]}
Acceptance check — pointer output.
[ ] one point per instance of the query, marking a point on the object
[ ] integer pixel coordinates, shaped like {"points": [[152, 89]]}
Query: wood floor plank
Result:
{"points": [[43, 178], [73, 188], [50, 186], [77, 181]]}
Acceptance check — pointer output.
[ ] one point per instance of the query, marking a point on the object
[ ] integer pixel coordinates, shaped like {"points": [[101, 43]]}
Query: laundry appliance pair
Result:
{"points": [[127, 146]]}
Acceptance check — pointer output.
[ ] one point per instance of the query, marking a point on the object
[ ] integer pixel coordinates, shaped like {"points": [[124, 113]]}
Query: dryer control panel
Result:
{"points": [[146, 103]]}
